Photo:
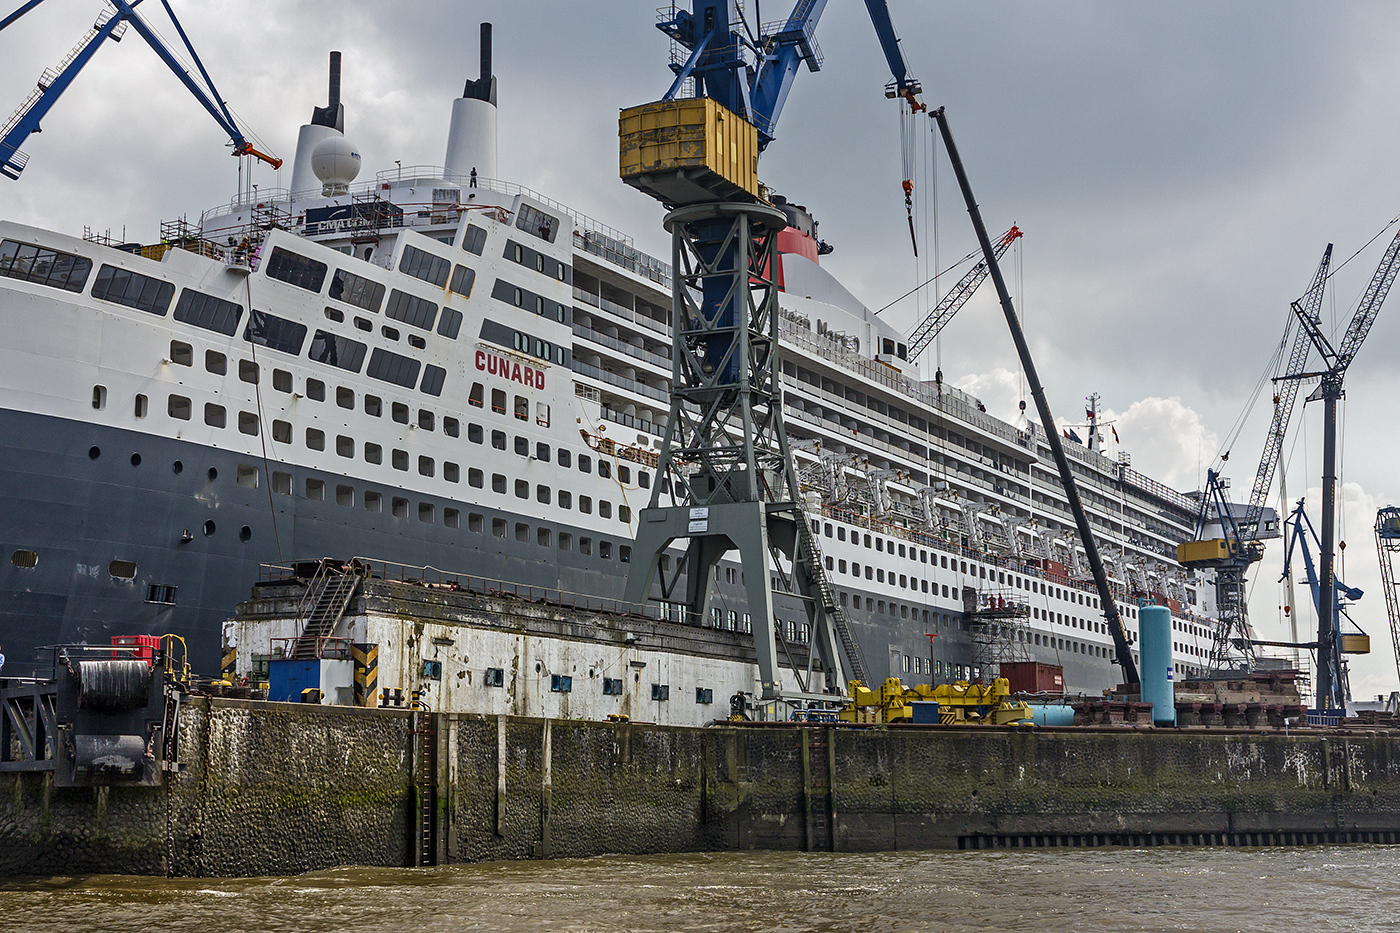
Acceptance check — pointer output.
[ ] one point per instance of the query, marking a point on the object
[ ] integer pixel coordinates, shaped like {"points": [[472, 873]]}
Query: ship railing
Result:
{"points": [[599, 233], [632, 421], [983, 484]]}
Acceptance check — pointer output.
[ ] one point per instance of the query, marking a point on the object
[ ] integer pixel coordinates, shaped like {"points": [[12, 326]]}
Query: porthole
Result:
{"points": [[177, 467], [94, 453], [135, 459], [245, 533], [25, 559], [209, 527]]}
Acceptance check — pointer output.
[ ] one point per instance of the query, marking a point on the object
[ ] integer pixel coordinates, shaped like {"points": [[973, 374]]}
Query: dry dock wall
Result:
{"points": [[282, 788]]}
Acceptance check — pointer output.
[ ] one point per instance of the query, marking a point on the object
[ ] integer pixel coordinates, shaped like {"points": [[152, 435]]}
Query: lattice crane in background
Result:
{"points": [[1387, 546], [1240, 543], [1329, 390], [111, 24], [957, 296]]}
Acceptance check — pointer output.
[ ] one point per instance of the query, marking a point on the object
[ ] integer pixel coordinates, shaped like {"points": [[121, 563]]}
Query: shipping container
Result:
{"points": [[1033, 677]]}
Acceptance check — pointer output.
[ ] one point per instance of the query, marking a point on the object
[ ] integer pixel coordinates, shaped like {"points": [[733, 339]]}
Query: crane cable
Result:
{"points": [[908, 144]]}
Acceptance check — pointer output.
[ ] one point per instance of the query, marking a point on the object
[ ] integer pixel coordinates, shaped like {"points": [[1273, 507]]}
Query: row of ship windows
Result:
{"points": [[182, 354], [180, 408], [249, 371], [153, 295]]}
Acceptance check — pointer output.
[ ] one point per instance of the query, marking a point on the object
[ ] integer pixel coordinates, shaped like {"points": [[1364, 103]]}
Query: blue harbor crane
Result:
{"points": [[111, 24], [751, 71], [733, 484], [1351, 641]]}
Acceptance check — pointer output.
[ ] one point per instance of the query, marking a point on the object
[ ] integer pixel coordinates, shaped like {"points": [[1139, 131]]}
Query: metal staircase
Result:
{"points": [[333, 589], [810, 553]]}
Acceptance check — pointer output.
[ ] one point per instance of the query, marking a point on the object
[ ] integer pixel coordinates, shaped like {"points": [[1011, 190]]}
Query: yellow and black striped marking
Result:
{"points": [[229, 667], [366, 674]]}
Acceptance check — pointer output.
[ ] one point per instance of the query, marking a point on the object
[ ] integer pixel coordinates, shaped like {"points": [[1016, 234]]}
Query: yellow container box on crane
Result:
{"points": [[688, 151], [1200, 552]]}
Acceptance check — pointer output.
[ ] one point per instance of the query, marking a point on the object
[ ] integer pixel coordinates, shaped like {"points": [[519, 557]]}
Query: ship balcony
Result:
{"points": [[583, 329], [620, 310], [625, 382]]}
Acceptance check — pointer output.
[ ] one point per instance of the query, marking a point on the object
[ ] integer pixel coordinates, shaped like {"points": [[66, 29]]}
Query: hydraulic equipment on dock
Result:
{"points": [[956, 703]]}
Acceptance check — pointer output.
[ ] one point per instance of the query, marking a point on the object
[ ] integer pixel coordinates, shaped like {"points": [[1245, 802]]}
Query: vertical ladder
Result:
{"points": [[811, 556], [817, 780], [336, 591], [424, 787]]}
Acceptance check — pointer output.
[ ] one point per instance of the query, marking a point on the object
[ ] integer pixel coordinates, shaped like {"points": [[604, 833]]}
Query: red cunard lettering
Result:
{"points": [[506, 368]]}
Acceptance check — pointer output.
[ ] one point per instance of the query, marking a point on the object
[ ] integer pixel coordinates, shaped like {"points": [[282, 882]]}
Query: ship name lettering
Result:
{"points": [[496, 364]]}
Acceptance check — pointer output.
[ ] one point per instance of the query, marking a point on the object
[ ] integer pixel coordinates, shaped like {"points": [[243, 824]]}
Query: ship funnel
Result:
{"points": [[471, 136], [485, 52], [326, 122], [333, 114]]}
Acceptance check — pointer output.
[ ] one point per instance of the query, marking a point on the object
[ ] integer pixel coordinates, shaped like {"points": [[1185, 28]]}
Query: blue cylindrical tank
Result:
{"points": [[1155, 634], [1057, 714]]}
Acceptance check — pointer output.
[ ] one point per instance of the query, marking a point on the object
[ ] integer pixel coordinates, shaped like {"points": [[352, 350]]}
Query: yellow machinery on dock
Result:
{"points": [[960, 702]]}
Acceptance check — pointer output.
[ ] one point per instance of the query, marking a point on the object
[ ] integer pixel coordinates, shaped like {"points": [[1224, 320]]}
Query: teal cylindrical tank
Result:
{"points": [[1045, 714], [1155, 635]]}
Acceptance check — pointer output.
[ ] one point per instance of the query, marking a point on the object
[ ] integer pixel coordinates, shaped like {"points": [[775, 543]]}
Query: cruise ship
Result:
{"points": [[440, 367]]}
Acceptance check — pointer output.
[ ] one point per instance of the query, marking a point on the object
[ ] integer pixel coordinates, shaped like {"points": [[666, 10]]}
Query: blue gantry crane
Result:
{"points": [[696, 150], [749, 68], [111, 24]]}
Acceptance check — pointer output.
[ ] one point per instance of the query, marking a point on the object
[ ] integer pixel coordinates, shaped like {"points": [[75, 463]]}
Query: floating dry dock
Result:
{"points": [[230, 786], [280, 788]]}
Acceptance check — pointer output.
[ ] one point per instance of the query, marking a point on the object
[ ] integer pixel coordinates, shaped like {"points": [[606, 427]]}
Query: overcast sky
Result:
{"points": [[1177, 170]]}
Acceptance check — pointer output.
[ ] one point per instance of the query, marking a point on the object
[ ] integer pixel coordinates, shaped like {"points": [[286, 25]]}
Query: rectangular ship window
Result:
{"points": [[43, 266], [208, 312], [337, 351], [356, 290], [124, 287], [295, 269], [424, 265]]}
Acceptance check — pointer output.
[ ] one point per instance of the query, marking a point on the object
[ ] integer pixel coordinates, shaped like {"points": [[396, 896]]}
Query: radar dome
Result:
{"points": [[336, 163]]}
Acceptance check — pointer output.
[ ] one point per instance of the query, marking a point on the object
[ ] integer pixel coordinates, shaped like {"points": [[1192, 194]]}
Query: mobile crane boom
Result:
{"points": [[111, 25], [957, 296]]}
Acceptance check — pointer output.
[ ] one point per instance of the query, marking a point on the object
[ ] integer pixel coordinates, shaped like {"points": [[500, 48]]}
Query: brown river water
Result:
{"points": [[1047, 891]]}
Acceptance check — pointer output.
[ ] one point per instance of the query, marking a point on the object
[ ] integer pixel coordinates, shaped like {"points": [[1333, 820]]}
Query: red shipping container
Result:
{"points": [[139, 647], [1034, 677]]}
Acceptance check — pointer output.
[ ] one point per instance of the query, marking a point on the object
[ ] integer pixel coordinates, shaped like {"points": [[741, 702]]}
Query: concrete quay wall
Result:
{"points": [[276, 789]]}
